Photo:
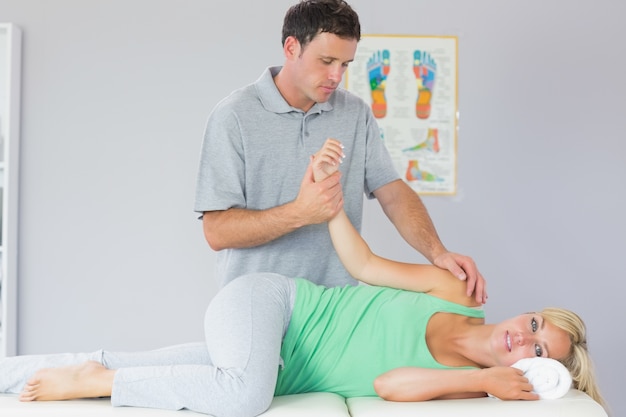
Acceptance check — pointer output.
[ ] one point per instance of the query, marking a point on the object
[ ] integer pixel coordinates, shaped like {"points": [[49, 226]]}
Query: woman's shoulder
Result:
{"points": [[450, 288]]}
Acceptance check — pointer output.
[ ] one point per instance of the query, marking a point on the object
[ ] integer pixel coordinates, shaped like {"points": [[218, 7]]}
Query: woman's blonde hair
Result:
{"points": [[578, 361]]}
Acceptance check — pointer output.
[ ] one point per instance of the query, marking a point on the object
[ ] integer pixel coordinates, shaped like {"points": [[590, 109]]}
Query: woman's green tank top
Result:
{"points": [[340, 339]]}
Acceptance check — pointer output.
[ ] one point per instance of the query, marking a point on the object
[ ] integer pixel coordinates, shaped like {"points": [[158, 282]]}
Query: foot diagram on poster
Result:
{"points": [[410, 83]]}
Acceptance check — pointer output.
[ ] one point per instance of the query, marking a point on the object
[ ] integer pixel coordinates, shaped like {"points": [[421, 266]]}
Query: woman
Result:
{"points": [[413, 334]]}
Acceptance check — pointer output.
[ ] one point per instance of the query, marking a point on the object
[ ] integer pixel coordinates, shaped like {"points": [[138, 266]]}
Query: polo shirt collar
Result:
{"points": [[273, 101]]}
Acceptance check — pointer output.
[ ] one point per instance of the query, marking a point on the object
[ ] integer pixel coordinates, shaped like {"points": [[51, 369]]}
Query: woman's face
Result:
{"points": [[528, 336]]}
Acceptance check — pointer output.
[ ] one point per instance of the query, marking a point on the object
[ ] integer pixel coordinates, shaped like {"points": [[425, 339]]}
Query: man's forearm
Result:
{"points": [[242, 228], [409, 215]]}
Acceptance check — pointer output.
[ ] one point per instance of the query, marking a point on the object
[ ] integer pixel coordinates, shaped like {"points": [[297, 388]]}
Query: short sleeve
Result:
{"points": [[220, 181]]}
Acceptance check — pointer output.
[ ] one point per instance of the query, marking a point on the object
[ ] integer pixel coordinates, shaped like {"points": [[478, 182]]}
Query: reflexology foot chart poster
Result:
{"points": [[411, 85]]}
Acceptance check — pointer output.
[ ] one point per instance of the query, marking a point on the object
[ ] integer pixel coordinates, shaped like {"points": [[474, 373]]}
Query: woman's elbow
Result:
{"points": [[383, 388], [390, 388]]}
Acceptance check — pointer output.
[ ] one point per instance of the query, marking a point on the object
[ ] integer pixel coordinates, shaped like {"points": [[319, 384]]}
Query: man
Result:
{"points": [[261, 209]]}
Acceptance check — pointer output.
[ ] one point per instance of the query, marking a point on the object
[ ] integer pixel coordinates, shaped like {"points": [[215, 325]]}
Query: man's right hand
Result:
{"points": [[318, 202]]}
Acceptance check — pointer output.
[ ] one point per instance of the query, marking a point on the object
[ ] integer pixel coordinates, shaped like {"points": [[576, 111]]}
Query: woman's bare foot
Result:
{"points": [[87, 380]]}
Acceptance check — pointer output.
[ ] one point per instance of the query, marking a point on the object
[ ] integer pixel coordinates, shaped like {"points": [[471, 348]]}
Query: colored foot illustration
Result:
{"points": [[430, 144], [414, 173], [378, 68], [424, 67]]}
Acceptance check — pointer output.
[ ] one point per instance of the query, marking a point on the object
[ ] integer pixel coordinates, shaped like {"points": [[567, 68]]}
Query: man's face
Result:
{"points": [[319, 67]]}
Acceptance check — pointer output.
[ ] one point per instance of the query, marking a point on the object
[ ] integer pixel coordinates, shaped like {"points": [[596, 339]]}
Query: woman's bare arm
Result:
{"points": [[422, 384], [370, 268]]}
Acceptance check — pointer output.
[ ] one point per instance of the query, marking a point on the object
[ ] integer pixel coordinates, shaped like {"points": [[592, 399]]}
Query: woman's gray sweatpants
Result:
{"points": [[233, 374]]}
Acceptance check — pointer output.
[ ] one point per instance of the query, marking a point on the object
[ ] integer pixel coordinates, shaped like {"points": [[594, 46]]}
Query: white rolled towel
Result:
{"points": [[550, 378]]}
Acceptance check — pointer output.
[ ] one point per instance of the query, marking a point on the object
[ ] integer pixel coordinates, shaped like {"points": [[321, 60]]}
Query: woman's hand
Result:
{"points": [[326, 161], [507, 383]]}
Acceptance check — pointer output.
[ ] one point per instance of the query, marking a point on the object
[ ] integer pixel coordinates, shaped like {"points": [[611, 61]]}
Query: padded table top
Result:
{"points": [[573, 404]]}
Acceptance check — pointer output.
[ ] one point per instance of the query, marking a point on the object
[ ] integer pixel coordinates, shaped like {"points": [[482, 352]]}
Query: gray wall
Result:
{"points": [[116, 94]]}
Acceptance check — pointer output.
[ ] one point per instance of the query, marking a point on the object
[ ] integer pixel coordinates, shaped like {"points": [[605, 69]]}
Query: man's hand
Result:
{"points": [[320, 197], [318, 202], [464, 268]]}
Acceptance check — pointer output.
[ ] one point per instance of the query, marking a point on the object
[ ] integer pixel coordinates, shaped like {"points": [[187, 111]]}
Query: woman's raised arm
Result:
{"points": [[367, 267]]}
